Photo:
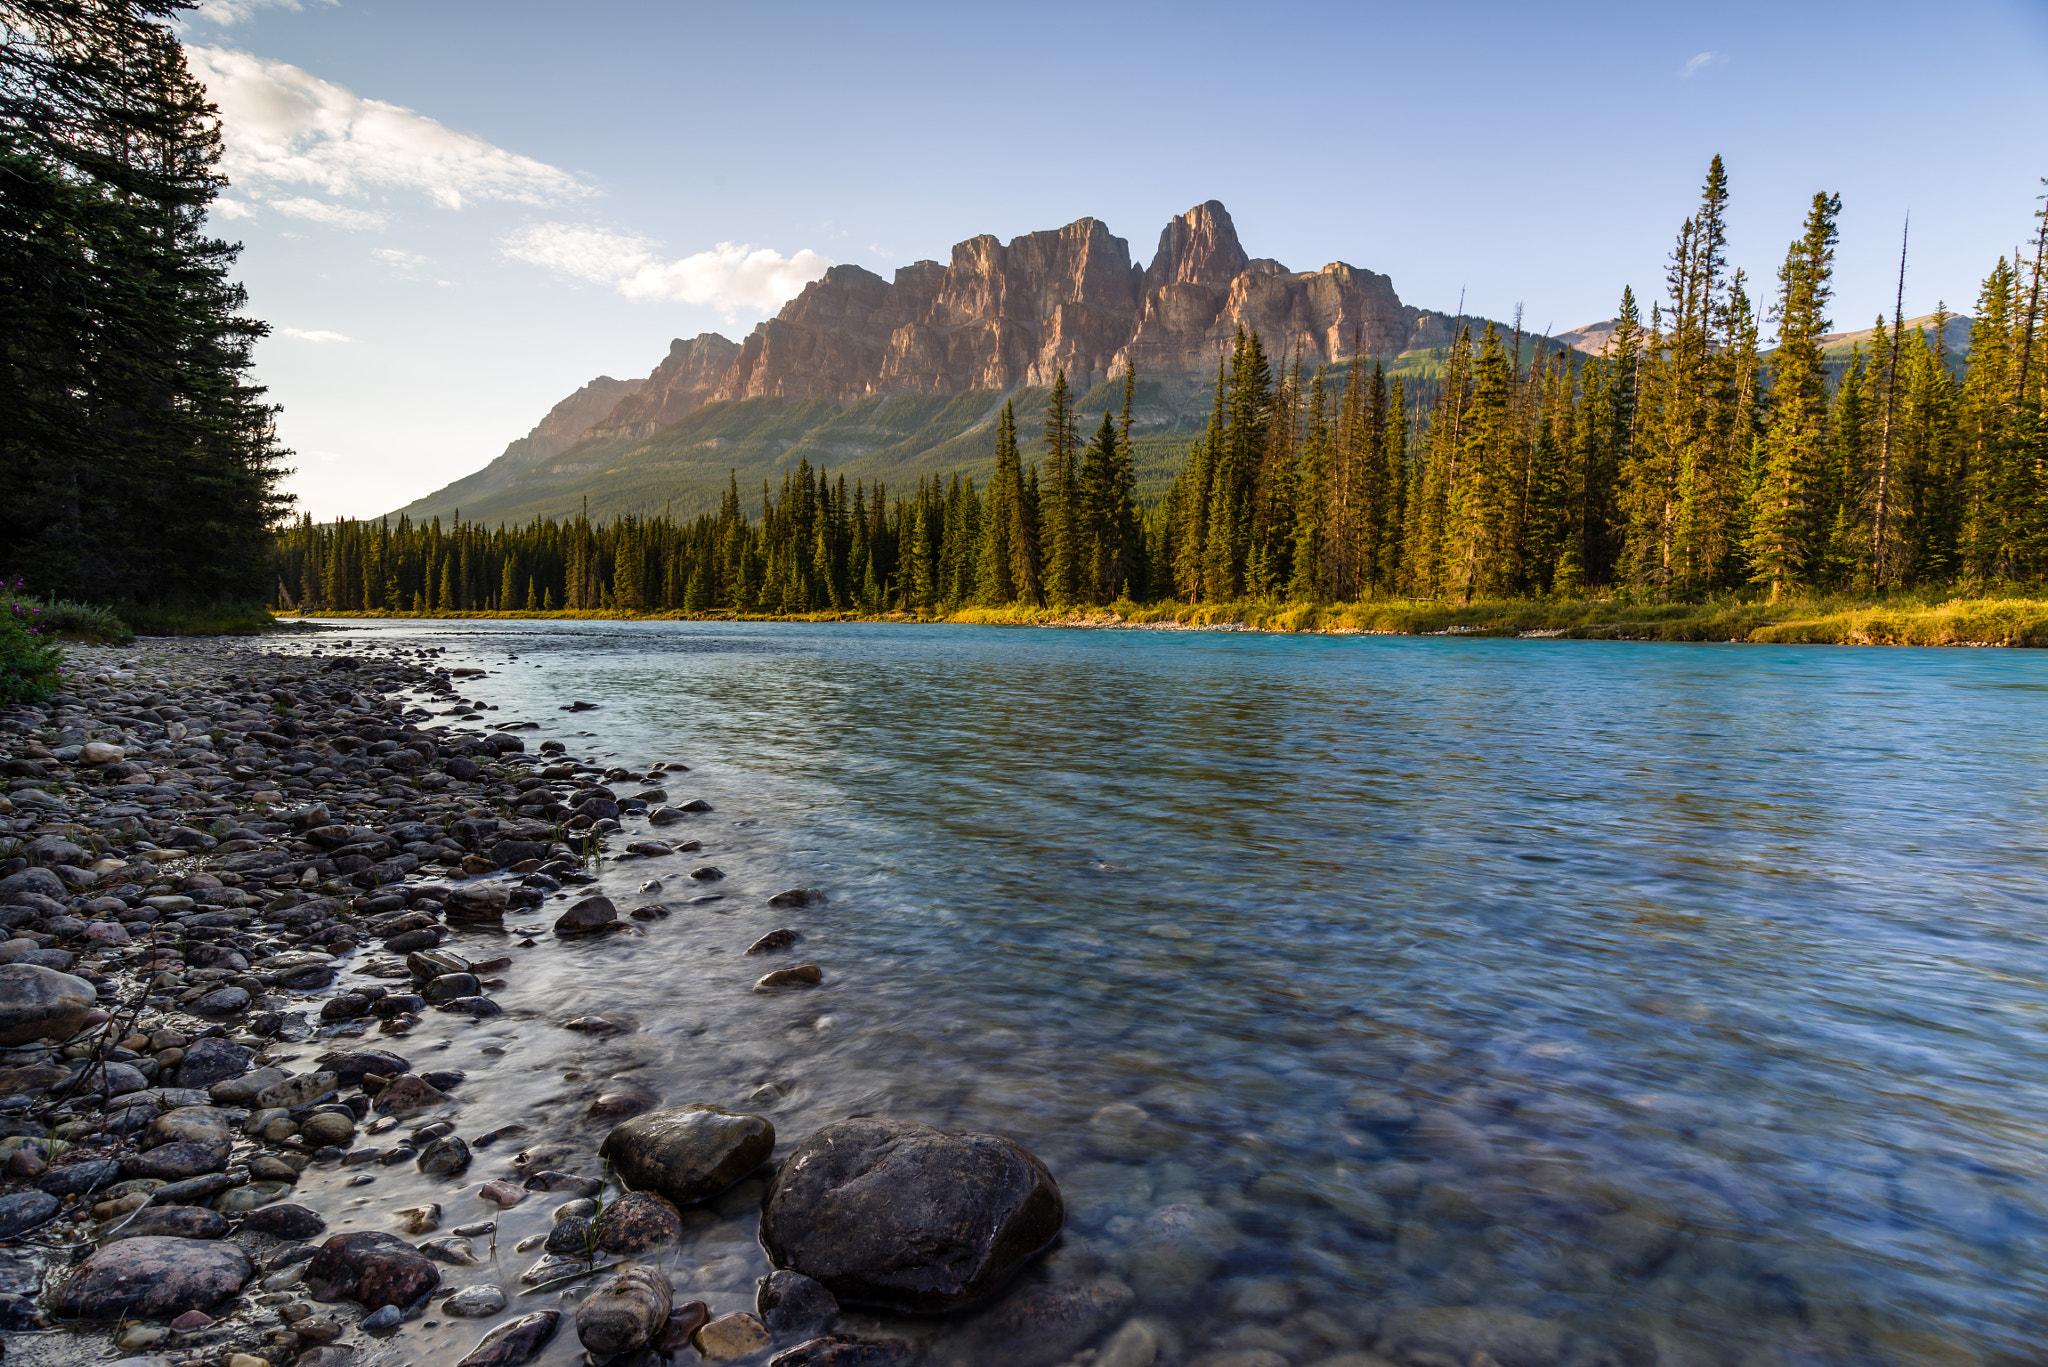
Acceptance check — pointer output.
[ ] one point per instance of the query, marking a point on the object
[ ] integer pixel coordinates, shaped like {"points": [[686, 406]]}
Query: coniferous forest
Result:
{"points": [[137, 461], [1684, 461]]}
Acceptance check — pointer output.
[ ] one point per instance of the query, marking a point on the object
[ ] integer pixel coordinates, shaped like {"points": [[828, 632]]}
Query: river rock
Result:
{"points": [[730, 1337], [189, 1125], [587, 917], [374, 1268], [240, 1091], [447, 1156], [350, 1068], [625, 1313], [639, 1222], [41, 1003], [177, 1162], [225, 1001], [803, 975], [842, 1350], [80, 1178], [475, 1302], [1054, 1318], [473, 903], [177, 1222], [24, 1211], [797, 897], [408, 1095], [688, 1153], [1177, 1249], [208, 1061], [151, 1278], [515, 1342], [329, 1129], [284, 1222], [774, 940], [793, 1305], [911, 1218], [307, 1089]]}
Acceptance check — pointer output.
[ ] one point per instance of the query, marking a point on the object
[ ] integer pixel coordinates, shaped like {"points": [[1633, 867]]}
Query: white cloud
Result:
{"points": [[731, 277], [225, 12], [405, 261], [333, 215], [317, 335], [233, 208], [1700, 62], [286, 126]]}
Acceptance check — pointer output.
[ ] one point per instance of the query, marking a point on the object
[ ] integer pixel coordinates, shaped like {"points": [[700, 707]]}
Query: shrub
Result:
{"points": [[62, 617], [29, 660]]}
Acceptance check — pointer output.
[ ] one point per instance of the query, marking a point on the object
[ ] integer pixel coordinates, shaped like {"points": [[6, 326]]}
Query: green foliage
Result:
{"points": [[62, 618], [30, 660], [136, 461]]}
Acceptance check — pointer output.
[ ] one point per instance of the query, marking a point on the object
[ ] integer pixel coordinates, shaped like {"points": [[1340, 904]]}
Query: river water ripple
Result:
{"points": [[1688, 1000]]}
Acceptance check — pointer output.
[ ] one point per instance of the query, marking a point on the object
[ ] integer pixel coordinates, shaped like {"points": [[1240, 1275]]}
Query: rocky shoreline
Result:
{"points": [[232, 882]]}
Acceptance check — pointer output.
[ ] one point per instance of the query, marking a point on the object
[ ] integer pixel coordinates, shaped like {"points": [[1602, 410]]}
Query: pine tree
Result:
{"points": [[1063, 513], [1782, 538]]}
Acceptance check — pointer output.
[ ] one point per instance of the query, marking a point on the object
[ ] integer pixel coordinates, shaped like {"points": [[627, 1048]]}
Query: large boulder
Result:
{"points": [[150, 1278], [374, 1268], [688, 1153], [41, 1003], [907, 1217]]}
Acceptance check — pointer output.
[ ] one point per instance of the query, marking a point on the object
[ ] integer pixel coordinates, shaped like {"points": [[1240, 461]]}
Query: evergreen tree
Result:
{"points": [[1782, 538]]}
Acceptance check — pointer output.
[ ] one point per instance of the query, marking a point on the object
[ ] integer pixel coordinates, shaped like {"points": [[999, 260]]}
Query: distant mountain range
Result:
{"points": [[881, 379]]}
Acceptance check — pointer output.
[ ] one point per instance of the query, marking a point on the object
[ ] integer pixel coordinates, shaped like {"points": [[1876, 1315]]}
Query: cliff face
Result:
{"points": [[568, 421], [677, 388], [995, 317], [999, 315]]}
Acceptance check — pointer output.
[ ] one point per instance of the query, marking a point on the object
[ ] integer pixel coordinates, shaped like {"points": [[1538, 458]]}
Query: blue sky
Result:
{"points": [[455, 213]]}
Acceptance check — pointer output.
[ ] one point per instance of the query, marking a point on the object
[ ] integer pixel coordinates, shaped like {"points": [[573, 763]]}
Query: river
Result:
{"points": [[1663, 1004]]}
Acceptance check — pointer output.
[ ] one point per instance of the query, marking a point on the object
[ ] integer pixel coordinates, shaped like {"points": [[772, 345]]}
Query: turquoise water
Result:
{"points": [[1688, 998]]}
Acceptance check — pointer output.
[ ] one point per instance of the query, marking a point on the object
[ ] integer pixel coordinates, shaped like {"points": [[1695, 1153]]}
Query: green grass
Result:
{"points": [[214, 621]]}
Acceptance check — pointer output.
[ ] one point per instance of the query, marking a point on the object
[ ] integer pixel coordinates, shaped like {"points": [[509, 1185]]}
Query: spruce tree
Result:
{"points": [[1782, 535]]}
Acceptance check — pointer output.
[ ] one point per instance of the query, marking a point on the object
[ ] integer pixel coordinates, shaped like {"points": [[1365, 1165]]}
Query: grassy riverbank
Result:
{"points": [[1929, 620]]}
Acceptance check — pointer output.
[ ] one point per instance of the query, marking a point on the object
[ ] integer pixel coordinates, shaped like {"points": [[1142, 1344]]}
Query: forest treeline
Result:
{"points": [[1683, 461], [137, 462]]}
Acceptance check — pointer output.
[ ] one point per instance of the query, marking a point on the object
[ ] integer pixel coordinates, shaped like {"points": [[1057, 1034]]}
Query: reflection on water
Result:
{"points": [[1652, 1004]]}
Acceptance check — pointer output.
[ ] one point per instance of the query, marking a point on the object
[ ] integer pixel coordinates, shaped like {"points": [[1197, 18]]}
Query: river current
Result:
{"points": [[1658, 1004]]}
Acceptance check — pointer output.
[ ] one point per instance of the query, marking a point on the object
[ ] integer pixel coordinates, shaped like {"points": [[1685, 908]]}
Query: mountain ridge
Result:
{"points": [[997, 318]]}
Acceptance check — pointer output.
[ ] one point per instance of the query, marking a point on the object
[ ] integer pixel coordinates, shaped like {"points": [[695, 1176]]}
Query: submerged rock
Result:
{"points": [[791, 1303], [908, 1217], [688, 1153]]}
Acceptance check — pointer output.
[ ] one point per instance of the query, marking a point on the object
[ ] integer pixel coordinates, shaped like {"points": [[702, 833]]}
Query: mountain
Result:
{"points": [[1836, 346], [1594, 338], [896, 378]]}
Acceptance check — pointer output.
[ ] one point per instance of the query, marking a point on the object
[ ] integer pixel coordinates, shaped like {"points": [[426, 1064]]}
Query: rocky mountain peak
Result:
{"points": [[1199, 247]]}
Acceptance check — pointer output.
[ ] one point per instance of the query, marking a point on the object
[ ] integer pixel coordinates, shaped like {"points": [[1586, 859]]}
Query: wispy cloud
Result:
{"points": [[316, 335], [225, 12], [333, 215], [283, 125], [233, 208], [1699, 62], [406, 261], [731, 277]]}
